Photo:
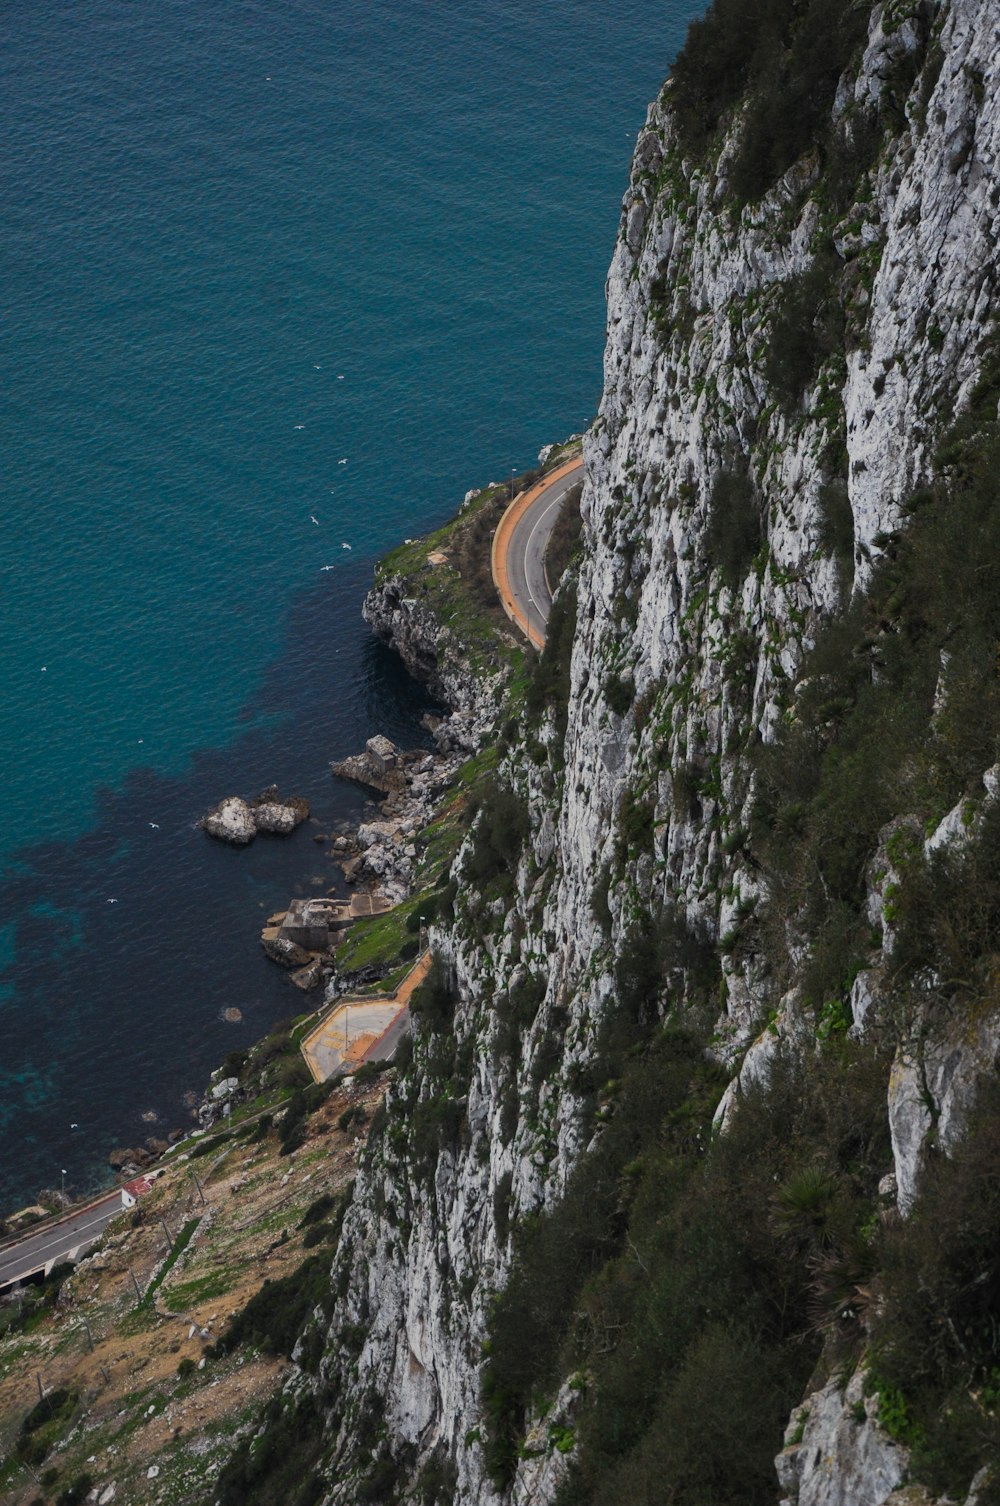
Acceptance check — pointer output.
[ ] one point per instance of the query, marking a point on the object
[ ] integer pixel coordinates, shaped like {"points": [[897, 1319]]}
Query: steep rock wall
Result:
{"points": [[675, 671]]}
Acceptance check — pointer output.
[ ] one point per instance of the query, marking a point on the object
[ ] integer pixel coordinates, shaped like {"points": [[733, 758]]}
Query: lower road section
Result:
{"points": [[519, 546], [62, 1239]]}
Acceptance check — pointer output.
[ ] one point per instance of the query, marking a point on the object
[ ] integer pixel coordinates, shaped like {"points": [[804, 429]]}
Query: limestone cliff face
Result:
{"points": [[676, 667], [434, 655]]}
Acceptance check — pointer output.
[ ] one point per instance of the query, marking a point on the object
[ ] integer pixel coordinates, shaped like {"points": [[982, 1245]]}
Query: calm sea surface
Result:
{"points": [[277, 279]]}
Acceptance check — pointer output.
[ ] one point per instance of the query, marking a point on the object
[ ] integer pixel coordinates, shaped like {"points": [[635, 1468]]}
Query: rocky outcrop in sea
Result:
{"points": [[238, 821]]}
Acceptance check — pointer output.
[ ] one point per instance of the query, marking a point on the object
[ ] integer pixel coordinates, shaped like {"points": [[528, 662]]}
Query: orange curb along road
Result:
{"points": [[501, 543]]}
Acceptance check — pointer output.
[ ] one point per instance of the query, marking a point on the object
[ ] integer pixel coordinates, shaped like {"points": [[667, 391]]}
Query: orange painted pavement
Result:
{"points": [[333, 1035]]}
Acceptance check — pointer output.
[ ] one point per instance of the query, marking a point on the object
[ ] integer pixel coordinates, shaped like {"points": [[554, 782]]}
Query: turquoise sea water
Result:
{"points": [[279, 279]]}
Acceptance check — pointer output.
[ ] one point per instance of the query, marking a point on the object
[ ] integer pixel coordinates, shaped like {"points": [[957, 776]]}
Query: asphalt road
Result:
{"points": [[386, 1048], [55, 1241], [526, 551]]}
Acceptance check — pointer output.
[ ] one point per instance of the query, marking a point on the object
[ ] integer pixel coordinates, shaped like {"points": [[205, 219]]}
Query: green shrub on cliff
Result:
{"points": [[897, 711], [693, 1279], [786, 57], [501, 825], [936, 1329], [734, 528]]}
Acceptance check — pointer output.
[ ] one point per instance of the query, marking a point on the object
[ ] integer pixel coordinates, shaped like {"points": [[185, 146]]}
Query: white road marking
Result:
{"points": [[556, 500], [57, 1241]]}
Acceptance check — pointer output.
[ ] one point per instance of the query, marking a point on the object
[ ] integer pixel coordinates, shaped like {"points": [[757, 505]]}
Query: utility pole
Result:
{"points": [[135, 1283], [198, 1185]]}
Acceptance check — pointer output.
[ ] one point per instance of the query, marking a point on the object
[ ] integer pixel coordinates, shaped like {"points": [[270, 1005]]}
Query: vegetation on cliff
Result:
{"points": [[663, 1257]]}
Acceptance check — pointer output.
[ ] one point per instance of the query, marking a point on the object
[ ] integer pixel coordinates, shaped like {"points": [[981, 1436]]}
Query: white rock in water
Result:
{"points": [[277, 818], [231, 821]]}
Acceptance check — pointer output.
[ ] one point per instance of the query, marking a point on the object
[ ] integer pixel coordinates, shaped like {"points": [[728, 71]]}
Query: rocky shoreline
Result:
{"points": [[378, 856], [434, 656]]}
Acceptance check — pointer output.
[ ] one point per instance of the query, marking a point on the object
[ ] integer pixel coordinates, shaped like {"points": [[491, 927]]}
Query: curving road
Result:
{"points": [[519, 547]]}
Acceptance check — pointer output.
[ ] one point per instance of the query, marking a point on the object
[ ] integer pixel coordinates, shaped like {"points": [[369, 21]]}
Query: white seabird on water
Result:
{"points": [[155, 825], [313, 519], [328, 567], [345, 546]]}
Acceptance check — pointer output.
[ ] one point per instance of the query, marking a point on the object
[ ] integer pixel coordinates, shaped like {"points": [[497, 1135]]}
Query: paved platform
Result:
{"points": [[359, 1028]]}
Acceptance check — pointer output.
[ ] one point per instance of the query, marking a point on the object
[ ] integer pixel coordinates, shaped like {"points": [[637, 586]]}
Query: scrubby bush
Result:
{"points": [[433, 1003], [356, 1114], [619, 692], [807, 327], [293, 1073], [936, 1330], [278, 1465], [292, 1129], [470, 552], [836, 532], [317, 1210], [785, 57], [793, 90], [369, 1071], [319, 1234], [733, 531], [78, 1490], [502, 824], [693, 1279], [273, 1318], [564, 540], [549, 684], [210, 1145], [44, 1423], [635, 824], [897, 711], [557, 1253], [438, 1480]]}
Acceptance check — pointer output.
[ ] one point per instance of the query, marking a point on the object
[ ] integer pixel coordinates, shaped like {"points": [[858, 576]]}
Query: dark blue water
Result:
{"points": [[278, 279]]}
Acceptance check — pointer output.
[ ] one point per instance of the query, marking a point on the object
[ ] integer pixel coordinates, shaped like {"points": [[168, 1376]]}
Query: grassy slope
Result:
{"points": [[141, 1400]]}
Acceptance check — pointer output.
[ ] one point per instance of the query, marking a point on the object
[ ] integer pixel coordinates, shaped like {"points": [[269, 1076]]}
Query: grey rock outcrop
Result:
{"points": [[231, 821], [237, 821], [436, 656], [665, 707], [835, 1452], [280, 817]]}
